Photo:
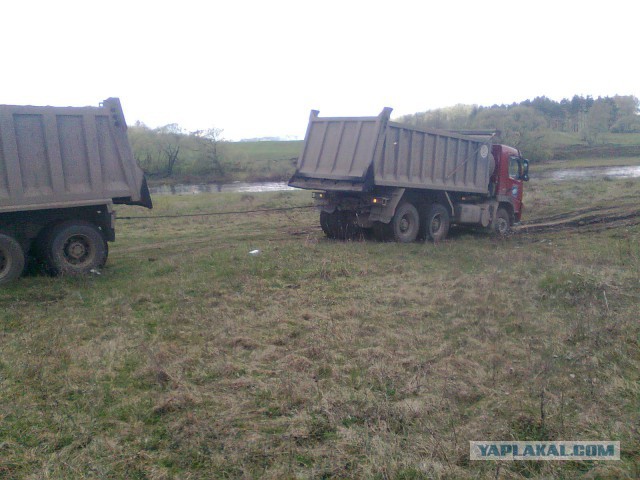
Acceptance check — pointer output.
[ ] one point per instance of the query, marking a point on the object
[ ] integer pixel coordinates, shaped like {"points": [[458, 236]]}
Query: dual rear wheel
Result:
{"points": [[407, 224], [340, 225], [437, 223], [11, 259], [73, 248], [405, 227], [70, 248]]}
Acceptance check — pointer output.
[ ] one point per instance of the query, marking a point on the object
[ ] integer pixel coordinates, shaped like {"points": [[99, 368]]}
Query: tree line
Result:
{"points": [[170, 153], [168, 150], [525, 125]]}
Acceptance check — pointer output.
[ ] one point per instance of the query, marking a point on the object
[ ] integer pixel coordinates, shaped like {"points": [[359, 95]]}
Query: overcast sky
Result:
{"points": [[256, 68]]}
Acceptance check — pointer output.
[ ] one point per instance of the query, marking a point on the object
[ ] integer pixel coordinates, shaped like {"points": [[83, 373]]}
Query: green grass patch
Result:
{"points": [[190, 358]]}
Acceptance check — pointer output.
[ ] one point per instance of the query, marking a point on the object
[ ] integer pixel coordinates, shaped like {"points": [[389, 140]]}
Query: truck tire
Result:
{"points": [[405, 223], [332, 224], [437, 223], [381, 231], [347, 226], [75, 248], [326, 223], [502, 222], [340, 225], [11, 259]]}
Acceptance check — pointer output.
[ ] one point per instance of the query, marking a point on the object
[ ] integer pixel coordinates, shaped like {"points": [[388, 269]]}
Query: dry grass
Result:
{"points": [[189, 358]]}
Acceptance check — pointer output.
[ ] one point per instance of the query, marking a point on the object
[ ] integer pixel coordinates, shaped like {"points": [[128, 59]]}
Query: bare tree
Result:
{"points": [[170, 136], [209, 142], [171, 152]]}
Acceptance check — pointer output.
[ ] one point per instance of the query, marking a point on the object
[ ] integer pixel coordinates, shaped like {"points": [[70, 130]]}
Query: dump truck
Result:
{"points": [[62, 169], [370, 175]]}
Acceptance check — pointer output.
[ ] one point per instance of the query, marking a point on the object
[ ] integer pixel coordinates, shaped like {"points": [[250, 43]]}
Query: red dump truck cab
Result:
{"points": [[508, 177]]}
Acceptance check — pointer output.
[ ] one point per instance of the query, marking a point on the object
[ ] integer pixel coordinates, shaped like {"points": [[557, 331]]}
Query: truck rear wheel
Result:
{"points": [[502, 222], [348, 226], [340, 225], [75, 248], [438, 222], [11, 259], [405, 224], [381, 231], [327, 224]]}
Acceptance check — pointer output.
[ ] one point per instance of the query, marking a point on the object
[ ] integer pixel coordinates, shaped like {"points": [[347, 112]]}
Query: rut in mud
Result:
{"points": [[587, 220]]}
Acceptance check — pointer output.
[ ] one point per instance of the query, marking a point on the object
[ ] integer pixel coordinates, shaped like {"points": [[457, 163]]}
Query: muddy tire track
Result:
{"points": [[585, 219]]}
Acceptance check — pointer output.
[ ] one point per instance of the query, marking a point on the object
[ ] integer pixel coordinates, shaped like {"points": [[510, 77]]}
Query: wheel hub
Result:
{"points": [[436, 222], [404, 224], [77, 250]]}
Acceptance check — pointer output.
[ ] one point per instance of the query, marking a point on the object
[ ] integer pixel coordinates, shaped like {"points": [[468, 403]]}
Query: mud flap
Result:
{"points": [[145, 196], [384, 213]]}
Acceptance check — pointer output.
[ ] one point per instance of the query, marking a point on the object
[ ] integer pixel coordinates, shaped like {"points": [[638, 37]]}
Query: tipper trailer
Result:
{"points": [[404, 183], [61, 171]]}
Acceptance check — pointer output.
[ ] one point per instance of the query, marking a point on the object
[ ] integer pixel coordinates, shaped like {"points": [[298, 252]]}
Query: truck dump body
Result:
{"points": [[56, 157], [357, 153]]}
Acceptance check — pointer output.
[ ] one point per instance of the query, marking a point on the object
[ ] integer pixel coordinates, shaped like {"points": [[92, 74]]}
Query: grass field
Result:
{"points": [[190, 358], [259, 161], [243, 161]]}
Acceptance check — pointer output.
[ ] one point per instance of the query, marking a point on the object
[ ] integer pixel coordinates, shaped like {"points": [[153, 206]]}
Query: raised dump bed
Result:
{"points": [[356, 153], [53, 157]]}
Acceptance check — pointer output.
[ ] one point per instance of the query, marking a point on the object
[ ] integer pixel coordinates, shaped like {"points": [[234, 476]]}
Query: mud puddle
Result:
{"points": [[242, 187], [589, 173]]}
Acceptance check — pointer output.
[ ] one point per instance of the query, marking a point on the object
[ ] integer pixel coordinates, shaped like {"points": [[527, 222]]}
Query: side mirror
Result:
{"points": [[525, 174]]}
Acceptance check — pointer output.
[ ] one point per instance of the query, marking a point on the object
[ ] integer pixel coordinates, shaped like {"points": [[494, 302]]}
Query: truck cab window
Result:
{"points": [[515, 168]]}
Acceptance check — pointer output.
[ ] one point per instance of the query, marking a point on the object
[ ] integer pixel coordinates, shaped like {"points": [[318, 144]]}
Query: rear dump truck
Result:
{"points": [[396, 182], [61, 171]]}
